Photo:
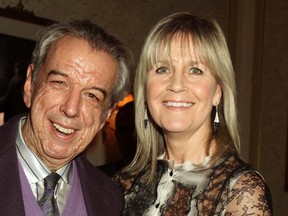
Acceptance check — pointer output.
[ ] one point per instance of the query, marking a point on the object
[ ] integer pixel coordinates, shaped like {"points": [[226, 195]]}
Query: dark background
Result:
{"points": [[15, 56]]}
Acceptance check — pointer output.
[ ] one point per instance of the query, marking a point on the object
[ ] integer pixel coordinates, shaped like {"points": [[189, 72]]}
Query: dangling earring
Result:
{"points": [[146, 120], [216, 119]]}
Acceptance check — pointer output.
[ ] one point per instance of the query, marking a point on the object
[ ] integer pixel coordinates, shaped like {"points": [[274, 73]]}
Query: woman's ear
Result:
{"points": [[28, 86], [217, 96]]}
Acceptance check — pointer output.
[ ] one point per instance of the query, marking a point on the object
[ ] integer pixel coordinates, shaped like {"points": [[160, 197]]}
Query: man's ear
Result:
{"points": [[108, 114], [110, 111], [28, 86]]}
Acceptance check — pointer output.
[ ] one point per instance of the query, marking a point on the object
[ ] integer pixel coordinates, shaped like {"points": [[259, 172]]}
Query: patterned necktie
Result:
{"points": [[47, 202]]}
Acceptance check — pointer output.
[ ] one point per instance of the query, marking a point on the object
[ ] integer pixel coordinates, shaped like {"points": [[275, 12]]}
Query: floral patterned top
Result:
{"points": [[231, 187]]}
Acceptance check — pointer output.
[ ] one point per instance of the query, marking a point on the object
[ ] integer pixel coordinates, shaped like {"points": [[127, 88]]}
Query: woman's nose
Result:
{"points": [[177, 83]]}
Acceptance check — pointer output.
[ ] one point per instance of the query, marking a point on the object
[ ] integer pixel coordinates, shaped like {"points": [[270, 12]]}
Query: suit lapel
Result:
{"points": [[91, 187], [11, 201]]}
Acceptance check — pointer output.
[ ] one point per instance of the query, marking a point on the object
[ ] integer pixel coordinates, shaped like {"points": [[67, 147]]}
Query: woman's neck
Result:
{"points": [[194, 149]]}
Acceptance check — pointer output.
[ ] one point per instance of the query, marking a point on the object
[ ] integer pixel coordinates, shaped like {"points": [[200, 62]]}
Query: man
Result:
{"points": [[78, 73]]}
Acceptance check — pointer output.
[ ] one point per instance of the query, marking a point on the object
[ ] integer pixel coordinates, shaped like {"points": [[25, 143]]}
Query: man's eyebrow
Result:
{"points": [[103, 91], [55, 72]]}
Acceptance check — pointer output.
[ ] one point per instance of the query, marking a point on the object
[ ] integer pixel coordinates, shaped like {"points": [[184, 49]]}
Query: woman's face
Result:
{"points": [[181, 91]]}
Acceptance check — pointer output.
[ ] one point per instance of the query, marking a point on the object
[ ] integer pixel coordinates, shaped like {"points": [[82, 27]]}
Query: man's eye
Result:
{"points": [[92, 96], [162, 70], [195, 71], [98, 98], [58, 84]]}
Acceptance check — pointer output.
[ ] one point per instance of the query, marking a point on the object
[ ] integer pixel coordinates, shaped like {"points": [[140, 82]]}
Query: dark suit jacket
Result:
{"points": [[102, 197]]}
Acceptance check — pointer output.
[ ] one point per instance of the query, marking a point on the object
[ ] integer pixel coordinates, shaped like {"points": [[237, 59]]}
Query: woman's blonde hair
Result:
{"points": [[210, 45]]}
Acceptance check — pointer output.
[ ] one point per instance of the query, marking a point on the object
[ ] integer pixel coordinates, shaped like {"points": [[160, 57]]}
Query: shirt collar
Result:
{"points": [[186, 166], [34, 168]]}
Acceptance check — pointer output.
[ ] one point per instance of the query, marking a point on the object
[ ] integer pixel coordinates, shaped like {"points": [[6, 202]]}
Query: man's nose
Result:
{"points": [[71, 104]]}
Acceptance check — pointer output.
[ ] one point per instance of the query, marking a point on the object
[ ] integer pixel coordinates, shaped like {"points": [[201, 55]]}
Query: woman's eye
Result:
{"points": [[196, 71], [162, 70]]}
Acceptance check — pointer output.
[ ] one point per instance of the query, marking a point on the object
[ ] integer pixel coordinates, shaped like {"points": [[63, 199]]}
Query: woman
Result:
{"points": [[187, 159]]}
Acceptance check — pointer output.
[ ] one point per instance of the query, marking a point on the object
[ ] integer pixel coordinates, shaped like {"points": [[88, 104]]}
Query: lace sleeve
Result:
{"points": [[123, 181], [249, 196]]}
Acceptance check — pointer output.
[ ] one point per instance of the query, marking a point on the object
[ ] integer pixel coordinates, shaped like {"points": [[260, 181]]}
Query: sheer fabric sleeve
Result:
{"points": [[123, 181], [249, 196]]}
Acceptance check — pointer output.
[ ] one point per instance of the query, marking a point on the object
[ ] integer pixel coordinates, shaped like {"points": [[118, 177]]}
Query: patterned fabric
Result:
{"points": [[231, 187], [47, 202]]}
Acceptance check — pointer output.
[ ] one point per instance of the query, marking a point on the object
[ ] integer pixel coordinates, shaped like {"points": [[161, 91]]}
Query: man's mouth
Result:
{"points": [[63, 130], [177, 104]]}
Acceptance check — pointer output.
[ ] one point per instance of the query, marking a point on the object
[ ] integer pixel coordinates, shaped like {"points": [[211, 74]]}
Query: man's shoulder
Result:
{"points": [[94, 175], [97, 186], [11, 124], [8, 133]]}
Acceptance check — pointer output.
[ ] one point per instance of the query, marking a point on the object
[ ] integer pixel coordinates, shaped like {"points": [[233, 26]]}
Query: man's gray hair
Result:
{"points": [[98, 39]]}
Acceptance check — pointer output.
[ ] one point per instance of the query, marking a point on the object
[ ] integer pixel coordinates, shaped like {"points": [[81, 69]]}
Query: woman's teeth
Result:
{"points": [[178, 104]]}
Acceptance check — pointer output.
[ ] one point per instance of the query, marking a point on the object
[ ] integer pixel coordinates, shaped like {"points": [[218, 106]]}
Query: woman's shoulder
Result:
{"points": [[229, 166], [236, 171], [248, 191], [249, 179]]}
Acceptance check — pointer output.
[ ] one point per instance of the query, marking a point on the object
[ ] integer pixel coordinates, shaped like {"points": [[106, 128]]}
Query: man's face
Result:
{"points": [[69, 101]]}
